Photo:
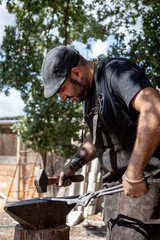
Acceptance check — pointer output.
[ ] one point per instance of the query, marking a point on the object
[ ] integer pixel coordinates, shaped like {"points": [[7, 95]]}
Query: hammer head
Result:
{"points": [[41, 181]]}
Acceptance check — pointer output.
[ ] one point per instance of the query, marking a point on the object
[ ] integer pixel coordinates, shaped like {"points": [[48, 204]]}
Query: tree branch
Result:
{"points": [[65, 22]]}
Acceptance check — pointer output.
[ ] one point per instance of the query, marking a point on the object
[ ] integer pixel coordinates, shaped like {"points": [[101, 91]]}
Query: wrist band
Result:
{"points": [[133, 181], [77, 162]]}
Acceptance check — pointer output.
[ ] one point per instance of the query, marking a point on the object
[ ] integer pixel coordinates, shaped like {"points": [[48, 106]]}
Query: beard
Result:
{"points": [[81, 89]]}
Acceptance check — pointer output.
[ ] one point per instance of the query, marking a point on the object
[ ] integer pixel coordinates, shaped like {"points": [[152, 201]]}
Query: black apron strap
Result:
{"points": [[96, 111]]}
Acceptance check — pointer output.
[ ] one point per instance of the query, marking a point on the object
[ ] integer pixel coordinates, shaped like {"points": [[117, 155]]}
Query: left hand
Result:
{"points": [[135, 190]]}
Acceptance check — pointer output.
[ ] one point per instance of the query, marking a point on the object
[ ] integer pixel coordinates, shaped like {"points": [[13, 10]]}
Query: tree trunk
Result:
{"points": [[56, 233]]}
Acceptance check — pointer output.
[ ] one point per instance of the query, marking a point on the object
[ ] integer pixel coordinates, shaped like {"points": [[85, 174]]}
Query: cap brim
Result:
{"points": [[51, 88]]}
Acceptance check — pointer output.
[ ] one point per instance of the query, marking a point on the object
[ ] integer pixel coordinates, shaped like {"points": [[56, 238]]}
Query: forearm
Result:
{"points": [[85, 154], [148, 139], [146, 143]]}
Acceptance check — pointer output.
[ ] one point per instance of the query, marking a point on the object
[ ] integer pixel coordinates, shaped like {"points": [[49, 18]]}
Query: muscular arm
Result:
{"points": [[147, 102]]}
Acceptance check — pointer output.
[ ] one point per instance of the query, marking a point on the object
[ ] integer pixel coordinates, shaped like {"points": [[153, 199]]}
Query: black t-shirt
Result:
{"points": [[119, 80]]}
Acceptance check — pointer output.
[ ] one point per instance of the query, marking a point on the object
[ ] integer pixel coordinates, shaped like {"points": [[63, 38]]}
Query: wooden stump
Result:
{"points": [[57, 233]]}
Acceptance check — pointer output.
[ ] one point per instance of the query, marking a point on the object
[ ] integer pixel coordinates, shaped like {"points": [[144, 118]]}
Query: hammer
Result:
{"points": [[42, 181]]}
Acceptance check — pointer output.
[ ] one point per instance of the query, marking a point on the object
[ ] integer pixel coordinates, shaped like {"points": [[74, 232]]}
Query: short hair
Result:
{"points": [[81, 61]]}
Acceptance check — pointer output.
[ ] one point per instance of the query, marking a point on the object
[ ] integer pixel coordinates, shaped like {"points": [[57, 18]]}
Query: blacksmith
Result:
{"points": [[122, 110]]}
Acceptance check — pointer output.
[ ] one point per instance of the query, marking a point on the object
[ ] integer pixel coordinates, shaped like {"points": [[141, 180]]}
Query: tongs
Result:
{"points": [[84, 200]]}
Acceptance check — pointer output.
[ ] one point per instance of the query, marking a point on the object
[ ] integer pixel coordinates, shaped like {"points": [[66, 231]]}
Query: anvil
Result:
{"points": [[38, 213]]}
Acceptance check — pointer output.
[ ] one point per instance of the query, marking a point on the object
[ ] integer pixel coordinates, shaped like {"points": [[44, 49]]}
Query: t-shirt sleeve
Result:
{"points": [[127, 80]]}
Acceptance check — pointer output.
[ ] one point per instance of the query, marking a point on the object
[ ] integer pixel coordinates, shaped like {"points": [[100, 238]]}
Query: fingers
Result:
{"points": [[67, 182], [63, 182], [64, 175]]}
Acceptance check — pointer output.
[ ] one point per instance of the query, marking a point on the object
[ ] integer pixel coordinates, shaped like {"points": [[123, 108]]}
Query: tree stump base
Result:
{"points": [[57, 233]]}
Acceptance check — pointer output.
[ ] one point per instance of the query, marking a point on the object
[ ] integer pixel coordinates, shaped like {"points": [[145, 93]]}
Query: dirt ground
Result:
{"points": [[92, 228]]}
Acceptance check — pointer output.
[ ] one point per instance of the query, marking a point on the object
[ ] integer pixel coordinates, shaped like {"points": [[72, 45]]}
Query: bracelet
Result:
{"points": [[131, 180], [77, 162]]}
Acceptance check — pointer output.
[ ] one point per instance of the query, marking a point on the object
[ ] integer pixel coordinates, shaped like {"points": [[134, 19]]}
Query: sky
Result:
{"points": [[12, 105]]}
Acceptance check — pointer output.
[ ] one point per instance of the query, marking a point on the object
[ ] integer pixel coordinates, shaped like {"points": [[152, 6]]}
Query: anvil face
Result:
{"points": [[38, 213]]}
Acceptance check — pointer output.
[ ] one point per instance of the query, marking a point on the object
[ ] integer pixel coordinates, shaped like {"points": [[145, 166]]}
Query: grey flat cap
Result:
{"points": [[56, 67]]}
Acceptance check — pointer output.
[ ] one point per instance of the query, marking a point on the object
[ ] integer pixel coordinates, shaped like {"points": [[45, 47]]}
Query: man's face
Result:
{"points": [[74, 89]]}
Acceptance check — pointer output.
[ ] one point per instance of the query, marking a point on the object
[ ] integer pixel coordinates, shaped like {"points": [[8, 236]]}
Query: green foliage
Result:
{"points": [[135, 26], [145, 47], [50, 124], [41, 25]]}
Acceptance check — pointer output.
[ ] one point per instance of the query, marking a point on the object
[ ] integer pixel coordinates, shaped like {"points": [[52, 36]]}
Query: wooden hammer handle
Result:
{"points": [[75, 178]]}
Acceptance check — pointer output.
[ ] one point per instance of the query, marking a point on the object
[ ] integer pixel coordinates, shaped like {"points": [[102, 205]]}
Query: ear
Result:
{"points": [[76, 72]]}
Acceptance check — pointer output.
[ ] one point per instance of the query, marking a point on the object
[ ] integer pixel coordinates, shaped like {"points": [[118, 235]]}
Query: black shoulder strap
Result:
{"points": [[96, 97], [95, 117]]}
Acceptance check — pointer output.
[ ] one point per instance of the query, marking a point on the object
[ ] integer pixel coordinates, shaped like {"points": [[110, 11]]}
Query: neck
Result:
{"points": [[92, 68]]}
